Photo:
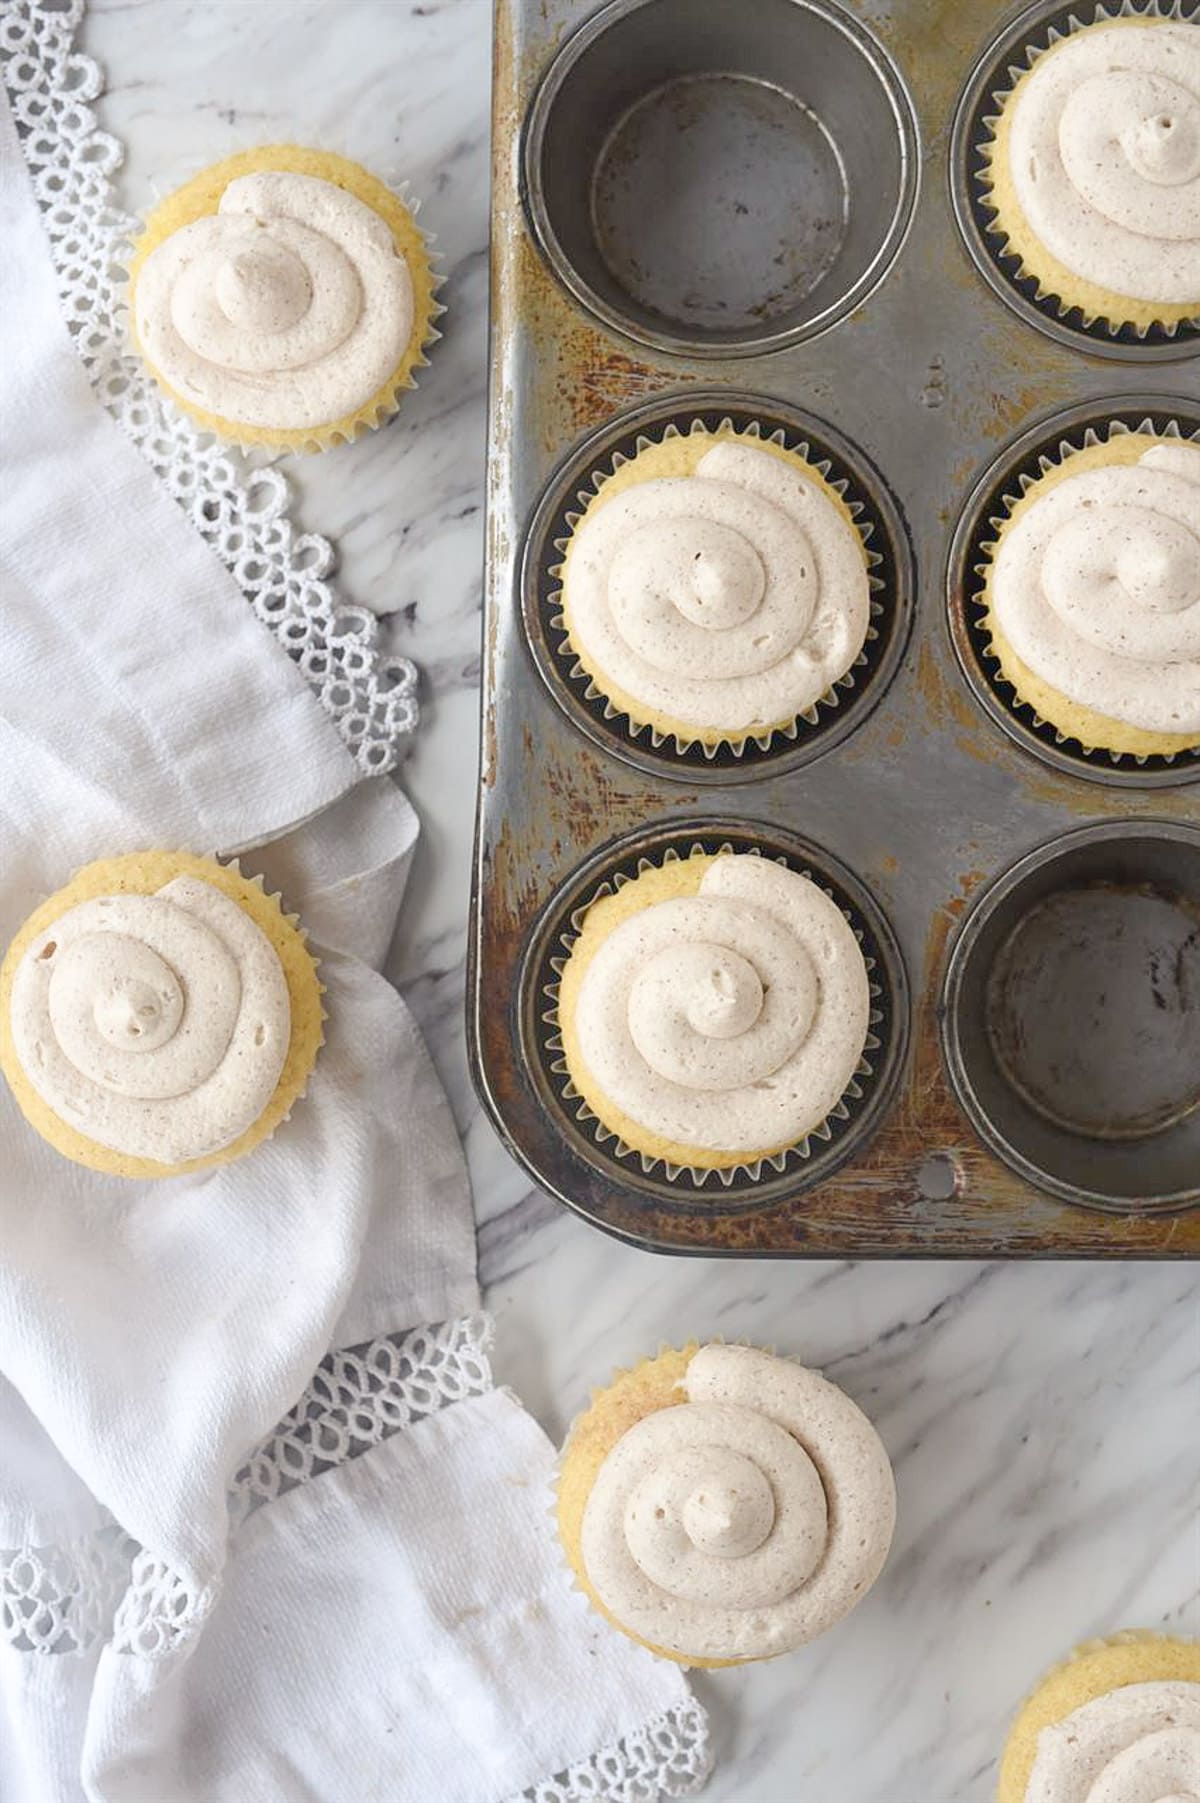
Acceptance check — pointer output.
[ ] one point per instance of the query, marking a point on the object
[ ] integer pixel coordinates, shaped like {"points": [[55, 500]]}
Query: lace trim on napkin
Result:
{"points": [[669, 1756], [62, 1599], [241, 512]]}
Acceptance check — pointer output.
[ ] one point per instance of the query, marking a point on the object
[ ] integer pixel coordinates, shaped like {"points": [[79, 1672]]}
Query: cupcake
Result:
{"points": [[160, 1014], [714, 1010], [1093, 171], [721, 1505], [1119, 1722], [283, 298], [1092, 595], [715, 588]]}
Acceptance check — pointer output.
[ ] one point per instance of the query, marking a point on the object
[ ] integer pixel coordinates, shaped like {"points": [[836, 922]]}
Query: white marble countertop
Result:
{"points": [[1039, 1416]]}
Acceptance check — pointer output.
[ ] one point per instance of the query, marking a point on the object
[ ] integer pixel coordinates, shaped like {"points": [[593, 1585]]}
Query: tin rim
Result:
{"points": [[1015, 47], [678, 344], [1050, 437], [836, 714], [743, 1188], [953, 1054]]}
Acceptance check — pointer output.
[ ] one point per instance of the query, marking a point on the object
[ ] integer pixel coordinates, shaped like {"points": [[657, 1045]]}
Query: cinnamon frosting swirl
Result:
{"points": [[1137, 1744]]}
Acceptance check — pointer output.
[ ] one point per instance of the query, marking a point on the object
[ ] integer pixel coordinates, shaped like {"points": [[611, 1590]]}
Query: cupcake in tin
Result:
{"points": [[284, 298], [714, 1010], [1093, 171], [1118, 1722], [715, 588], [721, 1505], [1092, 595], [159, 1014]]}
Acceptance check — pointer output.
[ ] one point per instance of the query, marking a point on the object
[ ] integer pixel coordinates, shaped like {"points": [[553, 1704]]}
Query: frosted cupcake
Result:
{"points": [[1094, 171], [1119, 1722], [160, 1014], [714, 1010], [721, 1505], [1092, 596], [283, 298], [715, 588]]}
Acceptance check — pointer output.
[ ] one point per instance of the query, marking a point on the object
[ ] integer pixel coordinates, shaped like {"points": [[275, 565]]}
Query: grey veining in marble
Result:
{"points": [[1041, 1417]]}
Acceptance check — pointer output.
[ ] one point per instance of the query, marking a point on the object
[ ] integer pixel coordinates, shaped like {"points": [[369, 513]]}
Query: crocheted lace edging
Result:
{"points": [[241, 511]]}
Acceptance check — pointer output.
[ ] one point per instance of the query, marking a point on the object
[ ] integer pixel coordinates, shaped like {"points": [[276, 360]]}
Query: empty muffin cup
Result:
{"points": [[1071, 1016], [716, 180]]}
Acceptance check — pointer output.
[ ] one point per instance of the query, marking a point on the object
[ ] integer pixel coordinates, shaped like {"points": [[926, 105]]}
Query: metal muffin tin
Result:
{"points": [[927, 801]]}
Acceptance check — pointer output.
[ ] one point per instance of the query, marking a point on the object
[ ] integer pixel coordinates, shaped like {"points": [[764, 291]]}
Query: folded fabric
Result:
{"points": [[233, 1561]]}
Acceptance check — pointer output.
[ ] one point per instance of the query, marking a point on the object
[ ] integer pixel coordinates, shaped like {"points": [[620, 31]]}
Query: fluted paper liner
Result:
{"points": [[981, 550], [691, 747], [608, 1140]]}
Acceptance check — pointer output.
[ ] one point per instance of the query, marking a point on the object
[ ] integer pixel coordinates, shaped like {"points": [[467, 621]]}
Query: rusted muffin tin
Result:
{"points": [[988, 866]]}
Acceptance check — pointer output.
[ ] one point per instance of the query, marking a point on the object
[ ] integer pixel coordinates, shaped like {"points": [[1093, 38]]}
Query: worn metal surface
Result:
{"points": [[926, 801]]}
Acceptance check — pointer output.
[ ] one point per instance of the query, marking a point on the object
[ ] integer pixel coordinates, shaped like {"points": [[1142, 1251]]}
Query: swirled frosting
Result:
{"points": [[731, 599], [1105, 158], [730, 1020], [1096, 586], [747, 1520], [157, 1025], [290, 307], [1137, 1744]]}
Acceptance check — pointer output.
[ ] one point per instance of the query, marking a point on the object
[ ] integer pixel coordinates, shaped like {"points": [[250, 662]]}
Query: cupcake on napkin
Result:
{"points": [[284, 298], [160, 1014]]}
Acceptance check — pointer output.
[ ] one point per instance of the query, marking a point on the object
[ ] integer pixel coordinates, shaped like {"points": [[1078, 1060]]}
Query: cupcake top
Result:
{"points": [[1104, 157], [730, 1019], [288, 308], [1095, 584], [155, 1024], [732, 598], [1136, 1744], [747, 1519]]}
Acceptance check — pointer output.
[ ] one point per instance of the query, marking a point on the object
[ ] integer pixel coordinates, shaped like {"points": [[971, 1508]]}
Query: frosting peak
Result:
{"points": [[730, 599], [1097, 588], [157, 1025], [288, 308], [1105, 157], [1139, 1743], [746, 1520]]}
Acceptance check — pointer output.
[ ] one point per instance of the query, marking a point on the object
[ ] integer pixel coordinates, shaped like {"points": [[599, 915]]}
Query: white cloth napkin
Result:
{"points": [[391, 1621]]}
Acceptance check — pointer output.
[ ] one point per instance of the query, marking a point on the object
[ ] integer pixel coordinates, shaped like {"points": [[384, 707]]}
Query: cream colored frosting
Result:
{"points": [[1097, 589], [732, 1019], [730, 599], [157, 1025], [1105, 158], [1137, 1744], [288, 308], [747, 1520]]}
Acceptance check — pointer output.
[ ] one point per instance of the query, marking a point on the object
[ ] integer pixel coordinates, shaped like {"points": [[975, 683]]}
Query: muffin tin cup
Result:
{"points": [[755, 1183], [840, 710], [1003, 62], [787, 119], [997, 491], [1071, 1016]]}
